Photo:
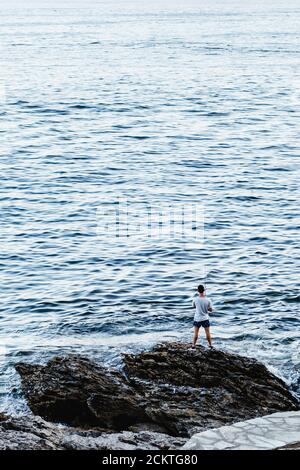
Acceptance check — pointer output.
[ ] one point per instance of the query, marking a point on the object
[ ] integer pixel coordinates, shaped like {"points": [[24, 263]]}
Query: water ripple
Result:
{"points": [[157, 105]]}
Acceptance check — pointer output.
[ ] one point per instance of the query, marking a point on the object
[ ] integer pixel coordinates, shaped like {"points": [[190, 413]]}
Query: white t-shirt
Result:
{"points": [[201, 304]]}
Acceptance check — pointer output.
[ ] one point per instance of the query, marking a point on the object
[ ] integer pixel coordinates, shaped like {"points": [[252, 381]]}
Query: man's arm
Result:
{"points": [[209, 308]]}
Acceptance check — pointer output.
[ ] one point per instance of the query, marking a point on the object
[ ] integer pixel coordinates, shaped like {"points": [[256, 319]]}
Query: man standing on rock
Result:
{"points": [[203, 306]]}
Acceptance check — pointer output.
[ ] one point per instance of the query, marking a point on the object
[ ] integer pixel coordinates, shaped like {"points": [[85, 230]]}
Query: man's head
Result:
{"points": [[201, 289]]}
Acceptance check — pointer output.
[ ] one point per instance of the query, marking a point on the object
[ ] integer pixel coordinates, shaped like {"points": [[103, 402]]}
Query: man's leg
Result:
{"points": [[208, 336], [196, 332]]}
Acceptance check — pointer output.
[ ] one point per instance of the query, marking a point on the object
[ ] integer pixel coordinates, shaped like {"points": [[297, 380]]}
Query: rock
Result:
{"points": [[171, 389], [28, 433], [295, 446], [33, 433], [125, 440], [76, 391], [192, 390]]}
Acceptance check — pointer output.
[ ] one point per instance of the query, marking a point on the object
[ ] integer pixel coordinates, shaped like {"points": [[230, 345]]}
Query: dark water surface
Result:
{"points": [[192, 102]]}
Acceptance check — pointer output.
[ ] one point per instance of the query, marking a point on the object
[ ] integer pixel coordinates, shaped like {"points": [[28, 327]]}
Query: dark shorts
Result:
{"points": [[204, 323]]}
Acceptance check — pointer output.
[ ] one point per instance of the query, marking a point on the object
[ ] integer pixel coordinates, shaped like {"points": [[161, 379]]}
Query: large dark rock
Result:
{"points": [[76, 391], [172, 389], [191, 390]]}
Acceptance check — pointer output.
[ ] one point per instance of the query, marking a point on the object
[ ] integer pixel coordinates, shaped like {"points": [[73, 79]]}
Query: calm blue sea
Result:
{"points": [[159, 103]]}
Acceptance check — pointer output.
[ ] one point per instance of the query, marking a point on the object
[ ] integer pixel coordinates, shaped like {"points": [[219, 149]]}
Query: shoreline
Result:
{"points": [[160, 399], [14, 403]]}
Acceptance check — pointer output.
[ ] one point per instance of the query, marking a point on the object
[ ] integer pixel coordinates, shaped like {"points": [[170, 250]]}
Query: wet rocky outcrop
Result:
{"points": [[190, 390], [76, 391], [172, 390]]}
